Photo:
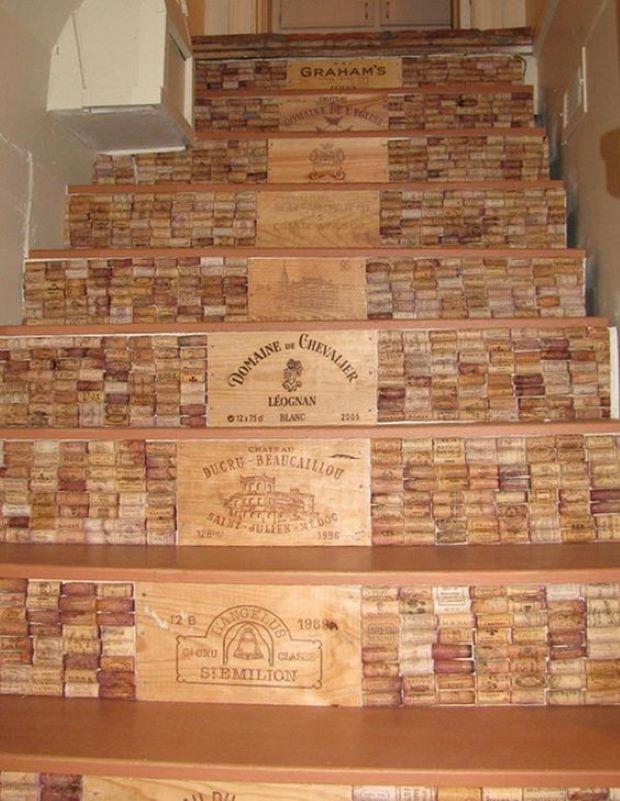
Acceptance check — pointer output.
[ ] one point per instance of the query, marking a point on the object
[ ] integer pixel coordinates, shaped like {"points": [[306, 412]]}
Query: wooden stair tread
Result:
{"points": [[389, 133], [406, 42], [44, 254], [425, 89], [321, 325], [178, 187], [375, 565], [443, 746], [378, 431]]}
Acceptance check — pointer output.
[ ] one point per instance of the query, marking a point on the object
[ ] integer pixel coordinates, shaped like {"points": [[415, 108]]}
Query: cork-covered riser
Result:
{"points": [[397, 42], [355, 73], [423, 157], [553, 644], [498, 490], [62, 787], [196, 288], [504, 215], [448, 106], [308, 377]]}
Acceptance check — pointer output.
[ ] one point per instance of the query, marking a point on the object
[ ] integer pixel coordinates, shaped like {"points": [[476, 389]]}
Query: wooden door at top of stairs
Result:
{"points": [[291, 15]]}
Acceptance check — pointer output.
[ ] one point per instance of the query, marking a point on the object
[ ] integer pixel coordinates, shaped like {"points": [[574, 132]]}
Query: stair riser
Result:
{"points": [[354, 73], [206, 288], [526, 217], [443, 108], [423, 491], [62, 787], [345, 645], [335, 377], [420, 158]]}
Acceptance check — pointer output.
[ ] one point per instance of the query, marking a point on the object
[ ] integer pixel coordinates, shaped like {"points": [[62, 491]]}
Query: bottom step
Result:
{"points": [[429, 747]]}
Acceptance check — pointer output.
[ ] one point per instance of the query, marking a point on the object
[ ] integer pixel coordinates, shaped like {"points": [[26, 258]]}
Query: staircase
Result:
{"points": [[308, 434]]}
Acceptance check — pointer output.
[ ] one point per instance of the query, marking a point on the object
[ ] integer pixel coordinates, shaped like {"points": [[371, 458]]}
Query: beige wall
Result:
{"points": [[590, 153], [221, 17], [497, 13], [534, 10], [37, 156]]}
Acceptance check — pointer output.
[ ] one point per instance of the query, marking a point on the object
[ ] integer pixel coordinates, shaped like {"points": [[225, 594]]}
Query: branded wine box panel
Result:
{"points": [[60, 787], [291, 645], [323, 378], [285, 492], [337, 645]]}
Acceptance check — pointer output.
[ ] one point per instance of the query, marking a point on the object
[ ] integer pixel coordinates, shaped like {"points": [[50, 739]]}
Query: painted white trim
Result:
{"points": [[464, 13]]}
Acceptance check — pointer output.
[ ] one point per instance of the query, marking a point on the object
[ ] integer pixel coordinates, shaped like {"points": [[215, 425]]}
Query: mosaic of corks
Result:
{"points": [[184, 219], [487, 491], [491, 645], [533, 217], [40, 787], [272, 73], [426, 491], [375, 793], [473, 158], [420, 158], [97, 381], [494, 375], [63, 787], [72, 639], [137, 290], [476, 286], [508, 109], [217, 161], [88, 492]]}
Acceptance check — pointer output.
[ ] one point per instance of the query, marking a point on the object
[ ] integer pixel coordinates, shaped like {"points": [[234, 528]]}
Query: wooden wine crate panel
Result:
{"points": [[306, 289], [328, 160], [280, 493], [97, 788], [325, 378], [432, 156], [359, 73], [286, 645], [349, 73], [200, 288], [443, 107], [328, 113], [305, 219]]}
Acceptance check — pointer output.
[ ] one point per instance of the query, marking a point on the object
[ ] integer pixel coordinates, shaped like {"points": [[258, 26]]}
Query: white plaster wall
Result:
{"points": [[38, 157]]}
